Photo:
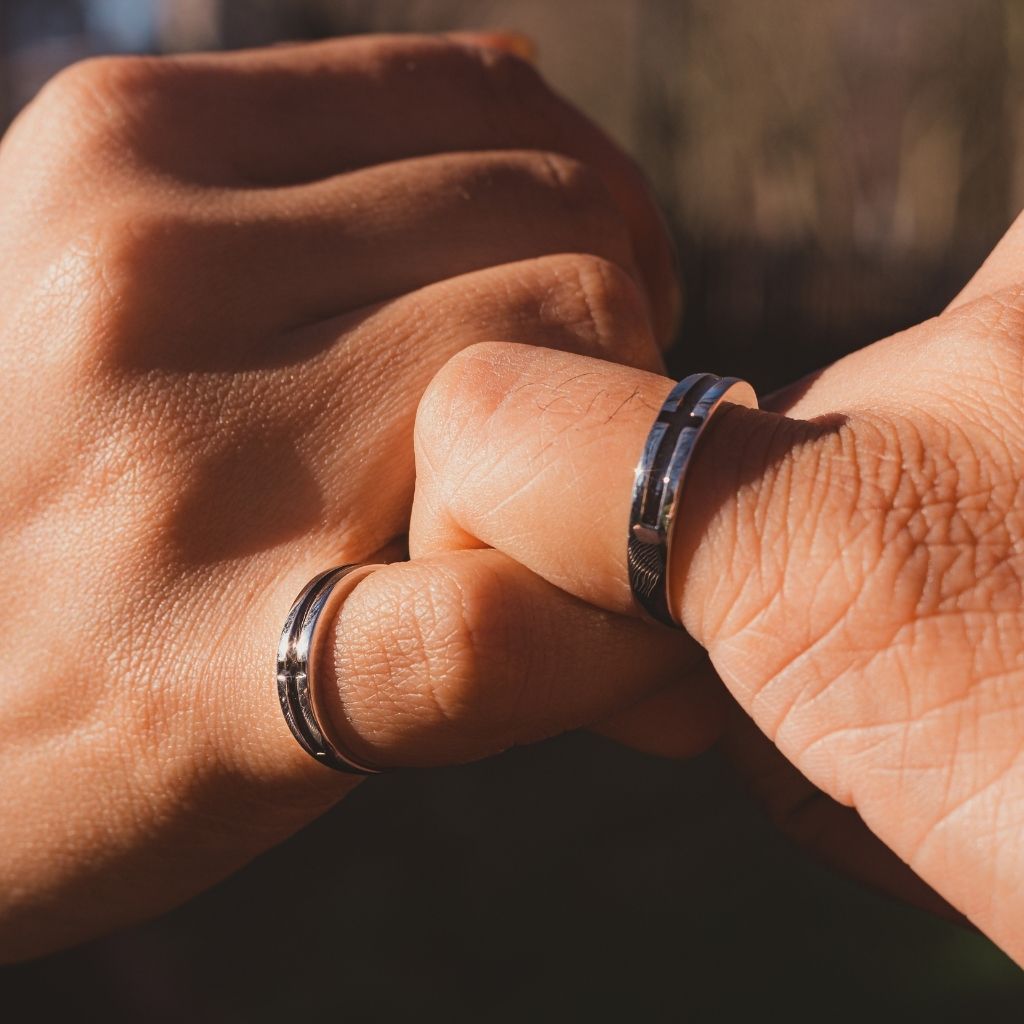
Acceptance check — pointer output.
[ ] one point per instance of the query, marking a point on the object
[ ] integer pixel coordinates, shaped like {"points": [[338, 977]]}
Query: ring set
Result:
{"points": [[657, 493]]}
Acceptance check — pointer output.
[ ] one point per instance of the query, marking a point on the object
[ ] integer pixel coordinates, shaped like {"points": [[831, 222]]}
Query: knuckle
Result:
{"points": [[504, 91], [598, 305], [93, 92], [587, 204], [506, 76], [581, 184], [106, 110], [87, 132], [500, 82], [73, 86], [124, 269], [470, 379]]}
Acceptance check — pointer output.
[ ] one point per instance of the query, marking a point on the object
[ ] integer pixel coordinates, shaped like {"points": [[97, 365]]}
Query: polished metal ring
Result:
{"points": [[297, 657], [658, 485]]}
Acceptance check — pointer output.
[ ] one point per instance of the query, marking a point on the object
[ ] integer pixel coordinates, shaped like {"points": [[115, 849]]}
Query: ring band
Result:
{"points": [[297, 658], [658, 485]]}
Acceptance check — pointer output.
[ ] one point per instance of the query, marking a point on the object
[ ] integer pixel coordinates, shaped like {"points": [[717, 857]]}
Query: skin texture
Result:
{"points": [[227, 281], [853, 568]]}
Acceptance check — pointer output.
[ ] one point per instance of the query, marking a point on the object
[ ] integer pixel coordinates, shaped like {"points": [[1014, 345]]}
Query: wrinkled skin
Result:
{"points": [[854, 568], [226, 281]]}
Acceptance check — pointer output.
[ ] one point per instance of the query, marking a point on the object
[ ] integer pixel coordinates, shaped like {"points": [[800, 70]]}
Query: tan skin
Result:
{"points": [[228, 281], [854, 568]]}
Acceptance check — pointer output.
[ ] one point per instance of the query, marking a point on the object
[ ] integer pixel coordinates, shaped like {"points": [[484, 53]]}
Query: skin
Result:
{"points": [[853, 568], [227, 281]]}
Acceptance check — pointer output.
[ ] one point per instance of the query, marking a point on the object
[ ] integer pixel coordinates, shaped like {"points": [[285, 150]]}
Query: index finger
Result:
{"points": [[299, 113]]}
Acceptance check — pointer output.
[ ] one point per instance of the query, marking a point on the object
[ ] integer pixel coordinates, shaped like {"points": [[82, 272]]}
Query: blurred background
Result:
{"points": [[833, 170]]}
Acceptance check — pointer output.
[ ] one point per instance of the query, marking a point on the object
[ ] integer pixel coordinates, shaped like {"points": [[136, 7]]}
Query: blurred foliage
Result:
{"points": [[833, 170]]}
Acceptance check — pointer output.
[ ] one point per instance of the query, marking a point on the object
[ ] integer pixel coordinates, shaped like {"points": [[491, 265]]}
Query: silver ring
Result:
{"points": [[658, 485], [297, 658]]}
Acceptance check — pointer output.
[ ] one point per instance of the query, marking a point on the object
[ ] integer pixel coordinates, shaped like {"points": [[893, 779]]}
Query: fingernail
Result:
{"points": [[519, 44]]}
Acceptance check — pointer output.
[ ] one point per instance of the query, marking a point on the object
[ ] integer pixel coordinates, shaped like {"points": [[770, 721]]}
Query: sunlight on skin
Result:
{"points": [[855, 569], [227, 286]]}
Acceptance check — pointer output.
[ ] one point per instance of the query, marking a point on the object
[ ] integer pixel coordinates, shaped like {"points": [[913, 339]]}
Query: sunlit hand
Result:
{"points": [[854, 568], [226, 281]]}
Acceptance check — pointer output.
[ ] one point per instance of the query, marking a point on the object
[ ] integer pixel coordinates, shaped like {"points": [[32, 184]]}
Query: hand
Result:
{"points": [[854, 568], [227, 280]]}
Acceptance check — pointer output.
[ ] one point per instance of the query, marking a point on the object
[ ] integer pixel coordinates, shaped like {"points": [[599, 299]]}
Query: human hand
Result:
{"points": [[227, 280], [854, 568]]}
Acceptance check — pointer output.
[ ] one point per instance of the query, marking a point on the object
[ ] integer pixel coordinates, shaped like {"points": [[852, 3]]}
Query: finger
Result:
{"points": [[461, 656], [324, 108], [428, 96], [377, 363], [681, 720], [316, 250]]}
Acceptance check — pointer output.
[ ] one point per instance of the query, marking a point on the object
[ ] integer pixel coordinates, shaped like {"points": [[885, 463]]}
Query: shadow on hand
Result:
{"points": [[830, 831]]}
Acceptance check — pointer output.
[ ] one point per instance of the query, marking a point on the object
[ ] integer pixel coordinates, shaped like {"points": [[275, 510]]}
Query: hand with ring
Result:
{"points": [[852, 561], [227, 281]]}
